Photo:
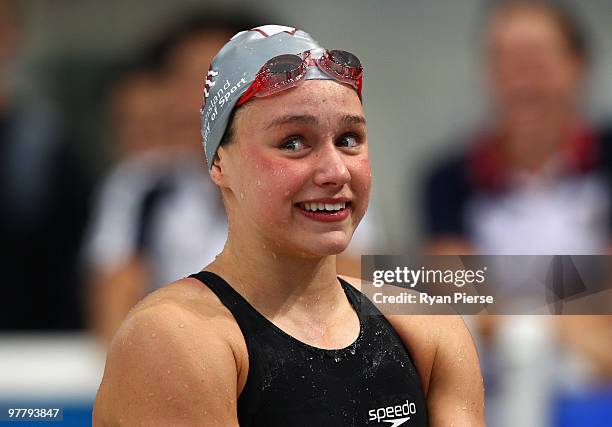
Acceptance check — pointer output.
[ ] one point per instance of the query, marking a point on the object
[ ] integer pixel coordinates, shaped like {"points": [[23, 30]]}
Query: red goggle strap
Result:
{"points": [[250, 92]]}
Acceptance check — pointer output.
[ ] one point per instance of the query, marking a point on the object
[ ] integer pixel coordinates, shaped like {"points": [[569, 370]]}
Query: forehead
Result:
{"points": [[326, 100], [524, 21]]}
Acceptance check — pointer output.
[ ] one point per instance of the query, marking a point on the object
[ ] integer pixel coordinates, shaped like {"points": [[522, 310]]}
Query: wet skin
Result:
{"points": [[180, 358], [296, 147]]}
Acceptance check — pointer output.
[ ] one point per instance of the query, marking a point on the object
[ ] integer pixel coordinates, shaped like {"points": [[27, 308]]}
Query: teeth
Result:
{"points": [[315, 206]]}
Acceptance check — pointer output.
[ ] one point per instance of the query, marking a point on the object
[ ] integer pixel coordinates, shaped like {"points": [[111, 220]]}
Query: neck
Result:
{"points": [[277, 282], [529, 146]]}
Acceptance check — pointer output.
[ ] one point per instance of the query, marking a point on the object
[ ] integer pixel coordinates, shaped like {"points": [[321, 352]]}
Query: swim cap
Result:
{"points": [[235, 67]]}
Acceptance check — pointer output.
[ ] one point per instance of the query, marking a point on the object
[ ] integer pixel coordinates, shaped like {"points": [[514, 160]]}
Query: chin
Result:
{"points": [[325, 245]]}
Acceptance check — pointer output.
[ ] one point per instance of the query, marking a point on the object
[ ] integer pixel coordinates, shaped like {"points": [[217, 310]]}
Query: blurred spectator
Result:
{"points": [[534, 179], [43, 193], [158, 217], [137, 112], [531, 180]]}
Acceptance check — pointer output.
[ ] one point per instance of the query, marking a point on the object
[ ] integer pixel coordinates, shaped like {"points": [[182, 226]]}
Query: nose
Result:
{"points": [[331, 168]]}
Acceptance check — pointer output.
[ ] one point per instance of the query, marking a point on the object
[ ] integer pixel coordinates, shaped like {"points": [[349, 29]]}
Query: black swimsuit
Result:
{"points": [[372, 382]]}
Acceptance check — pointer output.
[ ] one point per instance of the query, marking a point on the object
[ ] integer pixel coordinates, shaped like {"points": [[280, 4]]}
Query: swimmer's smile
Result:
{"points": [[325, 210]]}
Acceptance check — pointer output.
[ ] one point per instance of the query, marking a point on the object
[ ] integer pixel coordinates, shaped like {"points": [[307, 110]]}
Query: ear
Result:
{"points": [[218, 171]]}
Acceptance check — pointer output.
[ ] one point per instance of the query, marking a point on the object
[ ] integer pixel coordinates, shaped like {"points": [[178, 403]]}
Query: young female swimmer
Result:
{"points": [[267, 334]]}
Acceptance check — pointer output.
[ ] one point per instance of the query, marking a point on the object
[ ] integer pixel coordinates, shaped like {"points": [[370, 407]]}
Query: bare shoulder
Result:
{"points": [[175, 353]]}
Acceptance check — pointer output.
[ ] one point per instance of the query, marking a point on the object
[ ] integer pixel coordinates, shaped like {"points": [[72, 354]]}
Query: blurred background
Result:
{"points": [[489, 124]]}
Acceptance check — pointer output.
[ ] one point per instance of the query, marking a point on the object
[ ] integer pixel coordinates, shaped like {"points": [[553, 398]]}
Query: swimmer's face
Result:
{"points": [[302, 146]]}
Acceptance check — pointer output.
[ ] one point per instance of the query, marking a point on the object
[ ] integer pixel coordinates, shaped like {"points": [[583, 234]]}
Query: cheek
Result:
{"points": [[567, 80], [271, 184], [361, 178]]}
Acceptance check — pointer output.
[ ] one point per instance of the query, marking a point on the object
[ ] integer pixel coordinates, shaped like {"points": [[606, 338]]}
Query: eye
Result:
{"points": [[349, 140], [293, 144]]}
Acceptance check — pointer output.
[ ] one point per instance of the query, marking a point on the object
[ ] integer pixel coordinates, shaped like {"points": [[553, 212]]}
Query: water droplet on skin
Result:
{"points": [[258, 182], [170, 397], [242, 195], [460, 354], [181, 325], [169, 371], [274, 255], [153, 335]]}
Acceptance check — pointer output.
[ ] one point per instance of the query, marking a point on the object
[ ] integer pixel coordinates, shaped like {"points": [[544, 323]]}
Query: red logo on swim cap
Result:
{"points": [[270, 30], [209, 83]]}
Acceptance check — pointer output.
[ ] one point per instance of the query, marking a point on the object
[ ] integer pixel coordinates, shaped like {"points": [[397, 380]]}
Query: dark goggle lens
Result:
{"points": [[285, 64], [343, 65], [279, 73], [344, 58]]}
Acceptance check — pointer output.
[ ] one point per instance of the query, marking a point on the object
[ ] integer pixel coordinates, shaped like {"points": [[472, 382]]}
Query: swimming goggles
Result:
{"points": [[286, 71]]}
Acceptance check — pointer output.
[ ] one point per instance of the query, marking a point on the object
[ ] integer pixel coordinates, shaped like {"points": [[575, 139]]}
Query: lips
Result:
{"points": [[326, 210]]}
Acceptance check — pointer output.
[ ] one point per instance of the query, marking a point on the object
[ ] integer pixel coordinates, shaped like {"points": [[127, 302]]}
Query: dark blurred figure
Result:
{"points": [[157, 217], [43, 194], [531, 180], [534, 179]]}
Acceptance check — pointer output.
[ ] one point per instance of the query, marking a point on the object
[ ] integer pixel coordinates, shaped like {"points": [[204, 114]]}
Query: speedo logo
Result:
{"points": [[394, 415]]}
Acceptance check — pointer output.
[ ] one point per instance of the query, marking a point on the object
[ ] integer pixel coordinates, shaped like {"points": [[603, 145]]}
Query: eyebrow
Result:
{"points": [[284, 120], [353, 120], [306, 119]]}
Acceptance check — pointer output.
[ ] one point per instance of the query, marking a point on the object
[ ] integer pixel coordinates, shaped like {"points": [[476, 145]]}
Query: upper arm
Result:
{"points": [[168, 366], [456, 392], [446, 360]]}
